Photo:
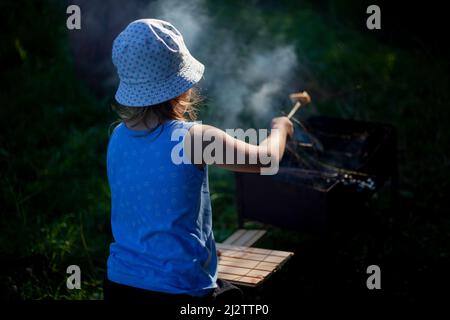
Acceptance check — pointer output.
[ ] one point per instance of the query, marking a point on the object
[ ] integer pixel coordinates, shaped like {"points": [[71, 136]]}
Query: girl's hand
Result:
{"points": [[283, 123]]}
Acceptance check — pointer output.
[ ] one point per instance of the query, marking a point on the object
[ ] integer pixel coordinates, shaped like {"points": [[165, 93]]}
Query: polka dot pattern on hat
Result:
{"points": [[153, 63]]}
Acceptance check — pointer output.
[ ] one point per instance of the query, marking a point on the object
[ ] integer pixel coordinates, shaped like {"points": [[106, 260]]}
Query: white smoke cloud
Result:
{"points": [[255, 82], [269, 72], [189, 17]]}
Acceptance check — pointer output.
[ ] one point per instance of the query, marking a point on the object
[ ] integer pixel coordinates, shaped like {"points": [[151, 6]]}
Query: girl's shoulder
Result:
{"points": [[115, 128], [179, 124]]}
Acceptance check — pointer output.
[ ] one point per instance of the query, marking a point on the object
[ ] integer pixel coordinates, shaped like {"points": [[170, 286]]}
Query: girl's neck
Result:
{"points": [[149, 124]]}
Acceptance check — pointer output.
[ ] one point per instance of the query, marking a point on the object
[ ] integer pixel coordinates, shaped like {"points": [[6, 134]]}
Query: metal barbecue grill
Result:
{"points": [[329, 165]]}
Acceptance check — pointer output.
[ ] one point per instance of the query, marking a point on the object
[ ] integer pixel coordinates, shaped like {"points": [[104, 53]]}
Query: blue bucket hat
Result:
{"points": [[153, 63]]}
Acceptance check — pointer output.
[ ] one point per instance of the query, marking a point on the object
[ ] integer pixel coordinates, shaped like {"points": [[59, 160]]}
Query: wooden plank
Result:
{"points": [[234, 237], [258, 273], [266, 266], [243, 237], [249, 238], [223, 246], [233, 270], [245, 255], [230, 277], [249, 264], [243, 271], [256, 235], [241, 280], [248, 281], [274, 259], [283, 254], [227, 261]]}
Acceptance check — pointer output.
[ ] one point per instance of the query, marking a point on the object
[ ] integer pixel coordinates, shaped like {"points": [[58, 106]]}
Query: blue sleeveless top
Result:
{"points": [[160, 214]]}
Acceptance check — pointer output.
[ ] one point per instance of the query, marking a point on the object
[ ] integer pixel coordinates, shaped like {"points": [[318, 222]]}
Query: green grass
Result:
{"points": [[54, 131]]}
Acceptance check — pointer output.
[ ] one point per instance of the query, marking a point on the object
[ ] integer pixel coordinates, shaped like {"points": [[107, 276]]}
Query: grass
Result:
{"points": [[54, 131]]}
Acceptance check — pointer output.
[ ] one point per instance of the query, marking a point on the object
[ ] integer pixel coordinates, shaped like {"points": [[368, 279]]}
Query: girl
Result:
{"points": [[163, 247]]}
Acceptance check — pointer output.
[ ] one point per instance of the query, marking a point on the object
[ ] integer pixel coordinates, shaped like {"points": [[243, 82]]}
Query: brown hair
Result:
{"points": [[181, 108]]}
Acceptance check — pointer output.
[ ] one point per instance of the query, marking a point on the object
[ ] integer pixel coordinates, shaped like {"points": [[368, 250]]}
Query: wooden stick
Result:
{"points": [[294, 109]]}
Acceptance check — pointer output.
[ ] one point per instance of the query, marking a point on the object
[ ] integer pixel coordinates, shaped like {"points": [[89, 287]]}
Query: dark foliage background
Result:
{"points": [[54, 129]]}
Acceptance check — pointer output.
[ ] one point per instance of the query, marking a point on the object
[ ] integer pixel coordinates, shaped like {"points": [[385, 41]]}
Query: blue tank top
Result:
{"points": [[160, 214]]}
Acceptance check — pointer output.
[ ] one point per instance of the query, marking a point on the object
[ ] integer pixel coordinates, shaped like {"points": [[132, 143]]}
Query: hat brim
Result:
{"points": [[151, 93]]}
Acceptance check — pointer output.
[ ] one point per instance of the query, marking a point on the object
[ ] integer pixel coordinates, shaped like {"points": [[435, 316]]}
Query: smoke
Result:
{"points": [[189, 17], [245, 80], [247, 77]]}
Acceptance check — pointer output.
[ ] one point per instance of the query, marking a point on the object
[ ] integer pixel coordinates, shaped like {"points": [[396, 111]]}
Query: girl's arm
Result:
{"points": [[201, 139]]}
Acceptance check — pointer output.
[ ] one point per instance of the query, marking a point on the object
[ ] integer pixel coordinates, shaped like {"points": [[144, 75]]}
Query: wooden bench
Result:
{"points": [[244, 265]]}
